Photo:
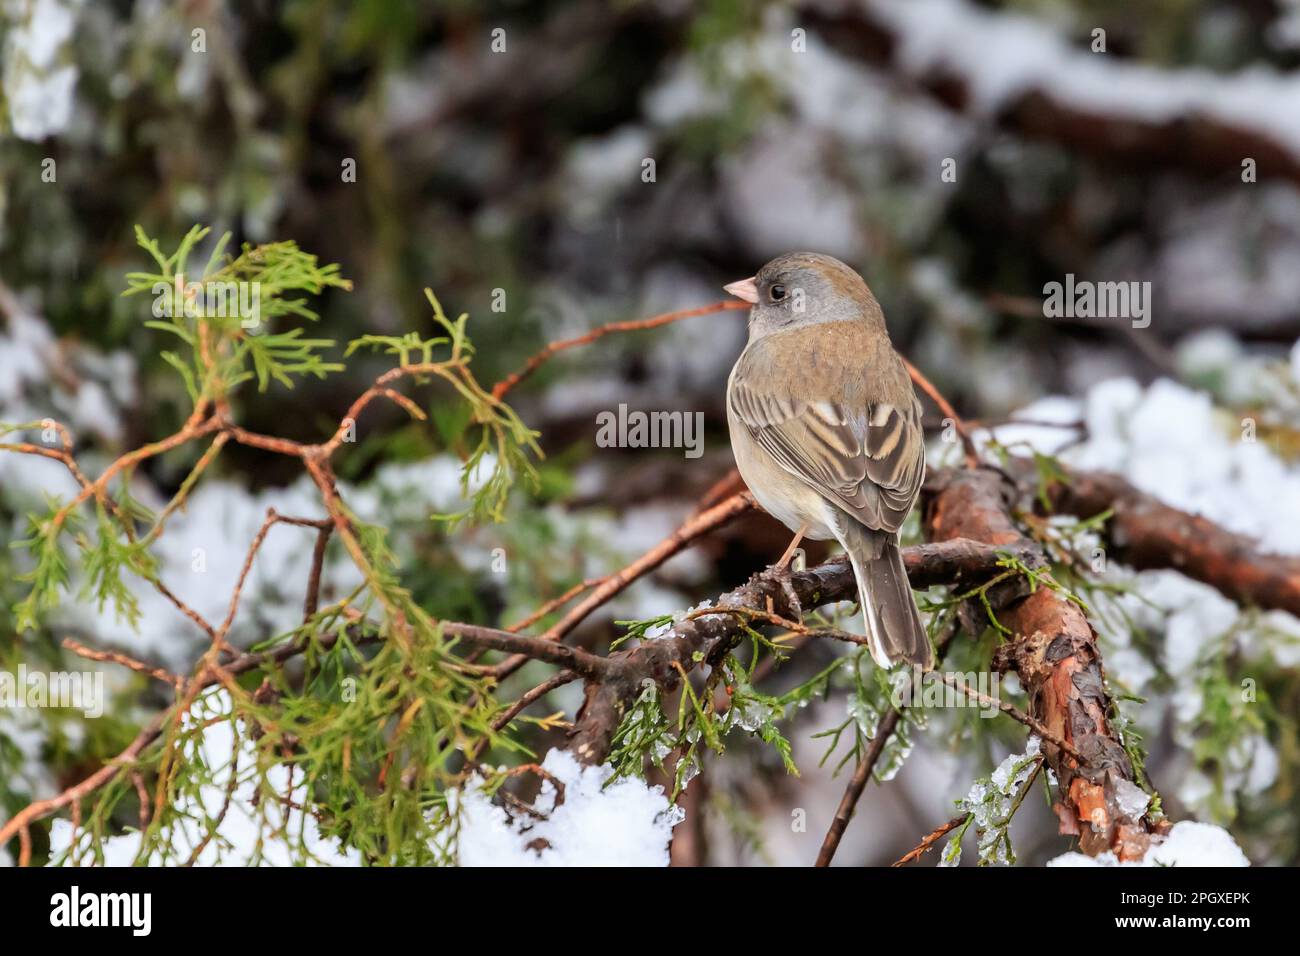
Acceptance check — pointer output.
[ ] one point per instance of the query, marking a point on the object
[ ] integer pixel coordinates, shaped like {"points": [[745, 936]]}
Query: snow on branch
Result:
{"points": [[1023, 73]]}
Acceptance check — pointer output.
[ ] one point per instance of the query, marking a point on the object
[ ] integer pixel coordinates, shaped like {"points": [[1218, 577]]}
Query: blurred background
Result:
{"points": [[576, 163]]}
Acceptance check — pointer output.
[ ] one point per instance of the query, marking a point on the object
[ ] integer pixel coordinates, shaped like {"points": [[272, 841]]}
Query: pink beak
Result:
{"points": [[743, 289]]}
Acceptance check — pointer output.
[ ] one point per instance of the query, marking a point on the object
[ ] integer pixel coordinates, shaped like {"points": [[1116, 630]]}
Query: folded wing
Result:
{"points": [[869, 461]]}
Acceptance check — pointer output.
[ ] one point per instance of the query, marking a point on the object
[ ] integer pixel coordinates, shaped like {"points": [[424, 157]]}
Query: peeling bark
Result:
{"points": [[1054, 653]]}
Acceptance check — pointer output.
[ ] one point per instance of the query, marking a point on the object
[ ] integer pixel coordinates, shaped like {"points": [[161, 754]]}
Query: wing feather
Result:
{"points": [[870, 461]]}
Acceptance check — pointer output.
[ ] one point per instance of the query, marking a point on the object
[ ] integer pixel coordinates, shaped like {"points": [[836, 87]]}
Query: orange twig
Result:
{"points": [[510, 381], [554, 603], [679, 540], [113, 657], [967, 444], [930, 839]]}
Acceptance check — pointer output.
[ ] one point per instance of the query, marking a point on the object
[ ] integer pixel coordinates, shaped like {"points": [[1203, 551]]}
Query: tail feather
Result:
{"points": [[894, 626]]}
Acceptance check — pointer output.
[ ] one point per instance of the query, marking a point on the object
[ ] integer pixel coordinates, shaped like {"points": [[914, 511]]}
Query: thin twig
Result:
{"points": [[853, 792], [1014, 714], [115, 657], [679, 540], [930, 839], [555, 603], [529, 367], [537, 693], [312, 600], [969, 451]]}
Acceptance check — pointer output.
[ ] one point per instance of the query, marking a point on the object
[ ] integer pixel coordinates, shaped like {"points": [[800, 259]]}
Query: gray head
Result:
{"points": [[802, 288]]}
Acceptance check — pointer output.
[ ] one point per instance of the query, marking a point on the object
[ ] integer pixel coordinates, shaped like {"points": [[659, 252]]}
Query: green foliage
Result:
{"points": [[749, 93], [50, 574], [648, 629], [222, 352], [869, 700], [1130, 738], [382, 720], [1226, 722], [375, 725], [500, 453], [104, 557], [725, 701], [1050, 472], [223, 316]]}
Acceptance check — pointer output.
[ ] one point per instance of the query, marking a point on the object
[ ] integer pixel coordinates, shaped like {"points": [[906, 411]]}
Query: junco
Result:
{"points": [[826, 431]]}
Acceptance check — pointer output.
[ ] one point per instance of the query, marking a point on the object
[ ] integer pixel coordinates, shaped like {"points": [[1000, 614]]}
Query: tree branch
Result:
{"points": [[1054, 651], [613, 585], [930, 839], [1145, 533], [713, 635]]}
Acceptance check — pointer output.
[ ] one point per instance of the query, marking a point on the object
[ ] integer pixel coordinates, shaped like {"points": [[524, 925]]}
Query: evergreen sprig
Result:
{"points": [[226, 347], [375, 727], [503, 450]]}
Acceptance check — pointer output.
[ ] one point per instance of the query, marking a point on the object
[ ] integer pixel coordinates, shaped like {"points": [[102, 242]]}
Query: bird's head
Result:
{"points": [[803, 288]]}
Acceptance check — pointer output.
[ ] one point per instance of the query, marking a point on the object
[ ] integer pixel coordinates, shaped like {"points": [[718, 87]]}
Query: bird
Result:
{"points": [[826, 432]]}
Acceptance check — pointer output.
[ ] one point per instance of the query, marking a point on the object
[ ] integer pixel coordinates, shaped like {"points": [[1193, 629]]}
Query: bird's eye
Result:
{"points": [[777, 292]]}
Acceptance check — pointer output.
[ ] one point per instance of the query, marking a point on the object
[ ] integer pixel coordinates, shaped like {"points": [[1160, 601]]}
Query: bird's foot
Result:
{"points": [[780, 575]]}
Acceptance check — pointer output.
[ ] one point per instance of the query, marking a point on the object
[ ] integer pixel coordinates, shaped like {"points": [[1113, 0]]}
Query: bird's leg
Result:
{"points": [[794, 544], [779, 573]]}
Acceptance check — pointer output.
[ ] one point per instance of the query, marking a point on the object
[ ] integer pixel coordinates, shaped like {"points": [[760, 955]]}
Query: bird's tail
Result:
{"points": [[894, 625]]}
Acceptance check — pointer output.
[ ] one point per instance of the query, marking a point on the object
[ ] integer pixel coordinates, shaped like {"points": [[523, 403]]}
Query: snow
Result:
{"points": [[206, 543], [200, 557], [1197, 624], [627, 822], [1210, 265], [1284, 32], [94, 412], [38, 90], [828, 92], [779, 195], [1197, 844], [1131, 799], [598, 168], [25, 352], [989, 802], [48, 26], [1188, 844], [1284, 631], [1003, 55], [1170, 441], [33, 369], [599, 823], [29, 773], [802, 179], [1014, 770]]}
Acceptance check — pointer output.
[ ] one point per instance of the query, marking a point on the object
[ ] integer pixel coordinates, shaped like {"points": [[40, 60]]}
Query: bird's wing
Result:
{"points": [[868, 459]]}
